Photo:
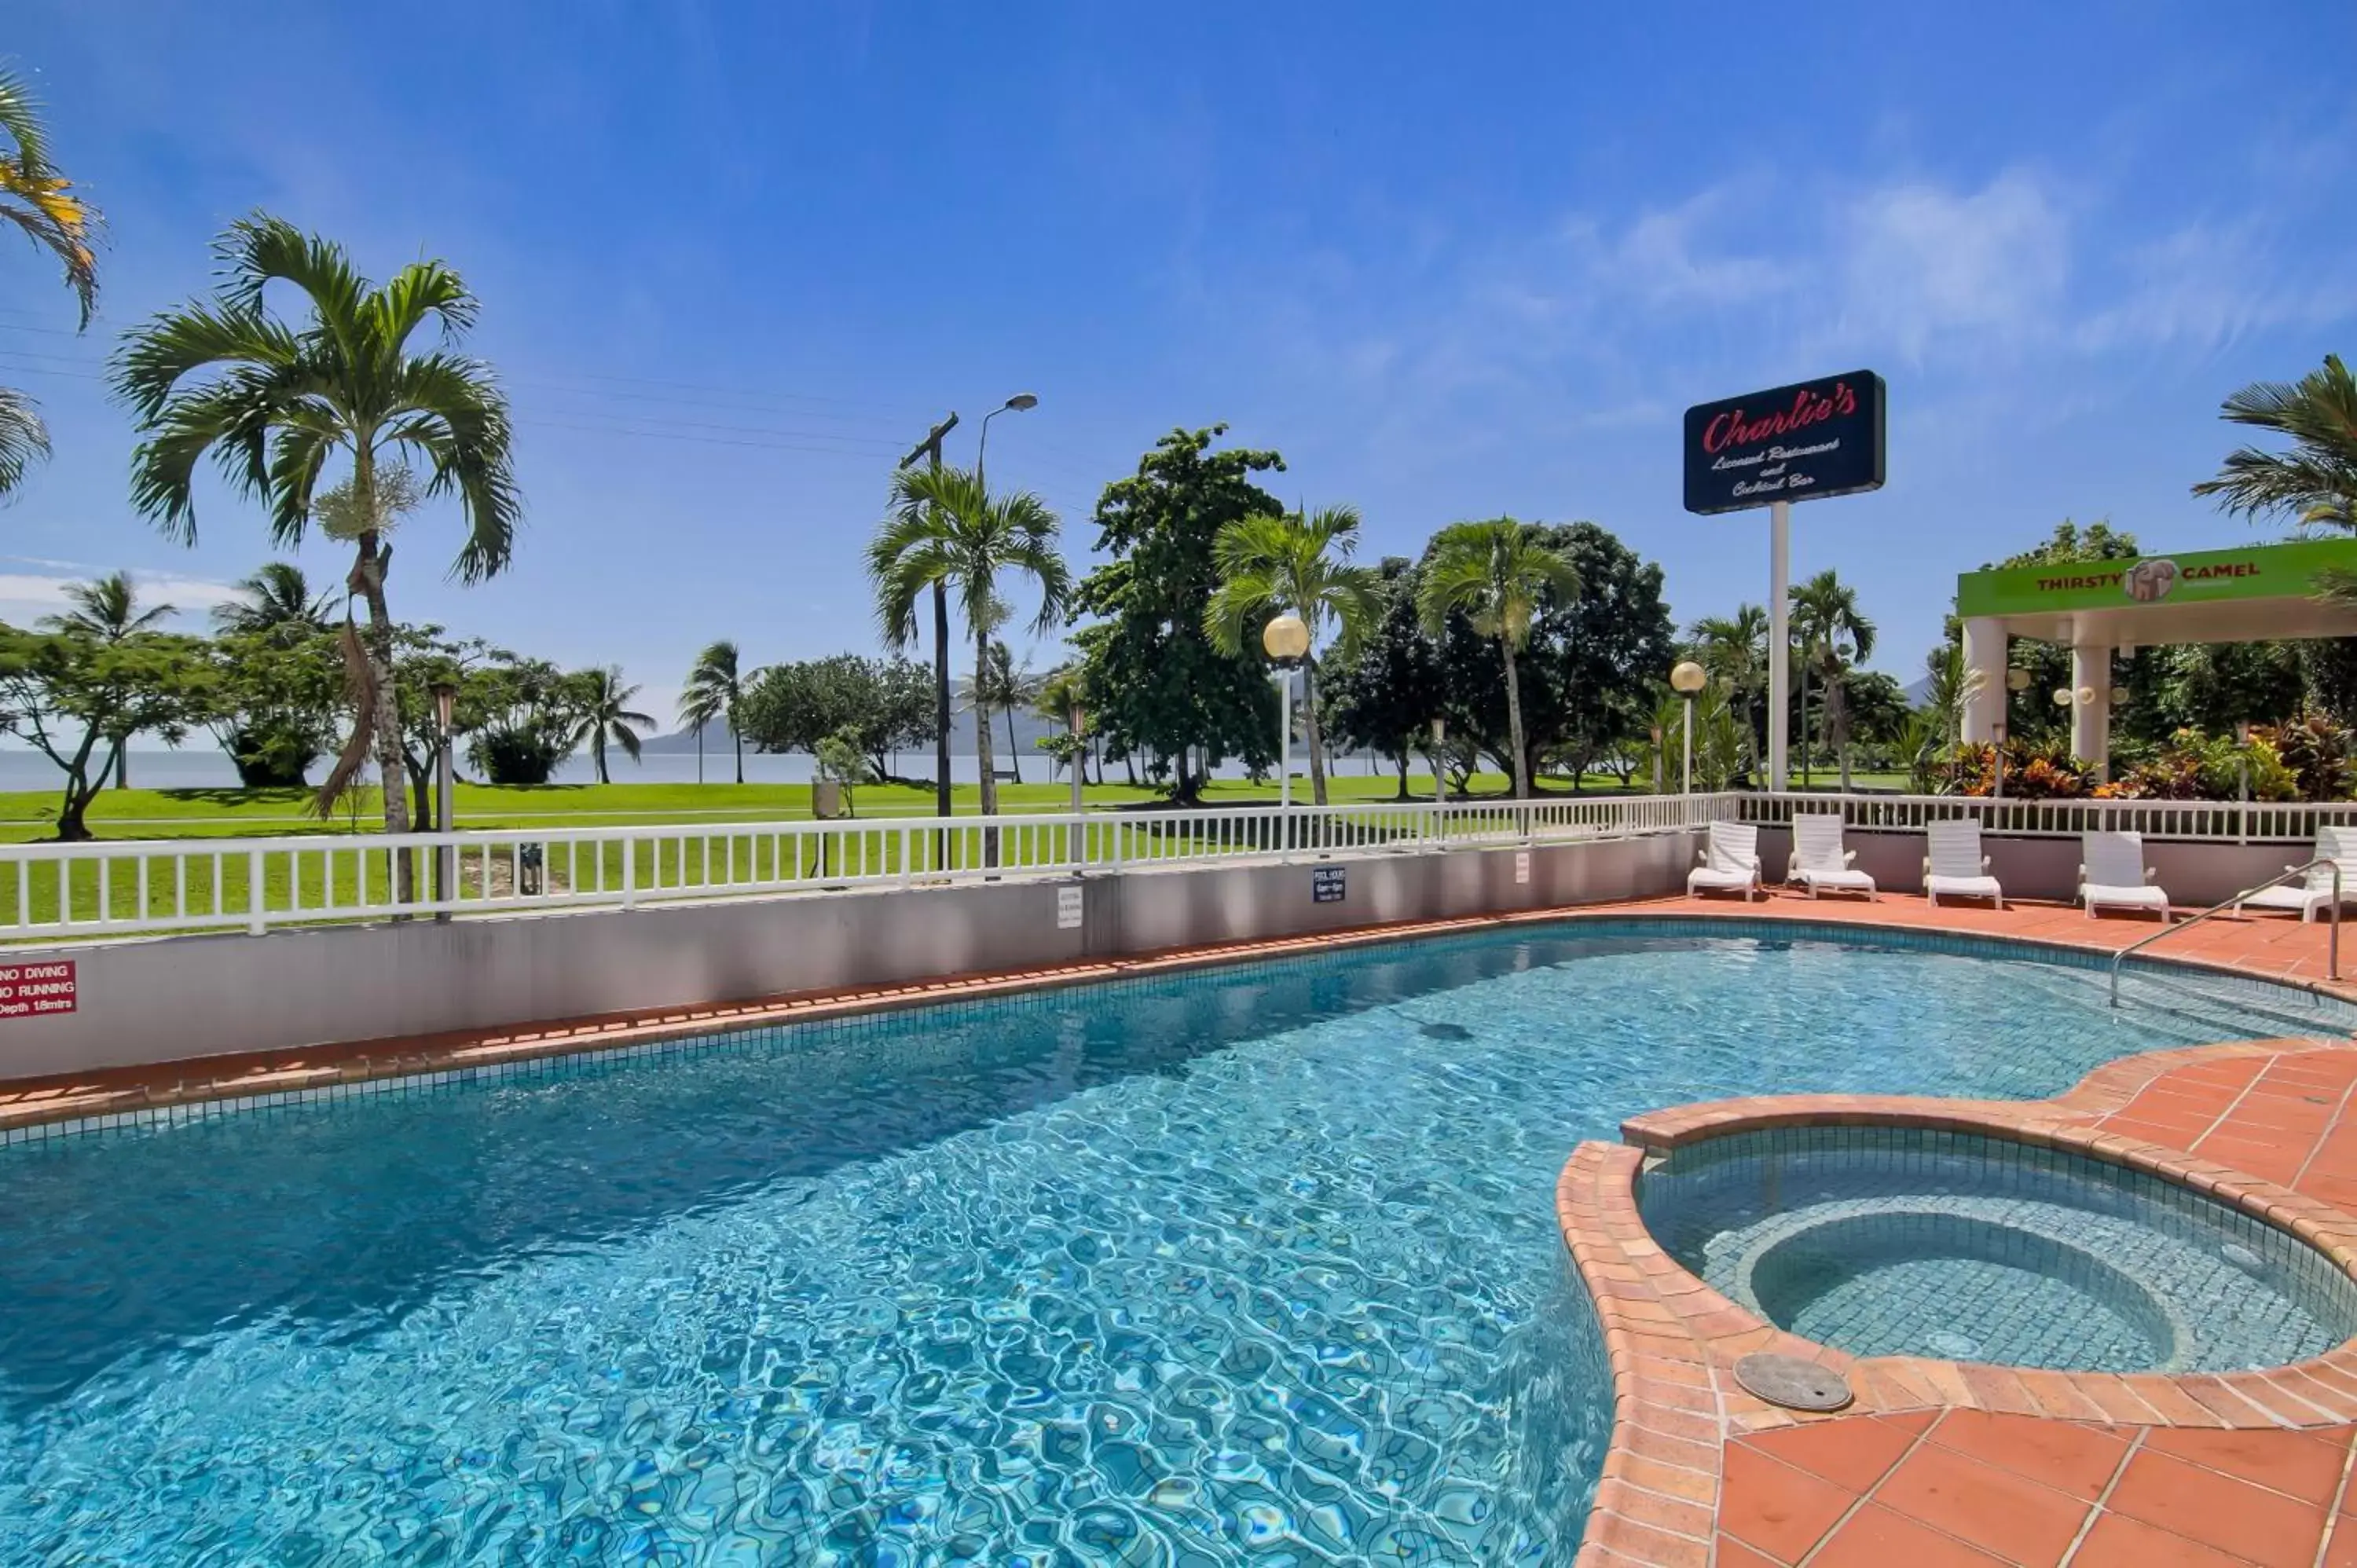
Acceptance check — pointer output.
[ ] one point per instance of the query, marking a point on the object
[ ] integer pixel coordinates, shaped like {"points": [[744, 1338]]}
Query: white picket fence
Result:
{"points": [[139, 887], [2185, 822]]}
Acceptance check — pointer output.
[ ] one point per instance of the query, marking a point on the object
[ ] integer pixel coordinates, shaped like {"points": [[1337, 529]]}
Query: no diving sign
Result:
{"points": [[26, 989]]}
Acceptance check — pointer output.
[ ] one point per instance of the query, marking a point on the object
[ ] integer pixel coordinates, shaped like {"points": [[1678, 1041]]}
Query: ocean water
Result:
{"points": [[1251, 1266]]}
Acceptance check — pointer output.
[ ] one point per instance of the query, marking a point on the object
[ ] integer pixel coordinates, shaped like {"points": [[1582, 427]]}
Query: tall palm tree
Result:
{"points": [[275, 402], [1495, 574], [1733, 650], [945, 528], [2317, 479], [1298, 563], [1834, 637], [714, 689], [1061, 696], [605, 713], [1002, 686], [277, 595], [107, 609], [38, 203]]}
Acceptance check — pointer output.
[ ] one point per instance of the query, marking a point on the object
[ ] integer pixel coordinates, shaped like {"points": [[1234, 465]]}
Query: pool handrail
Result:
{"points": [[2333, 944]]}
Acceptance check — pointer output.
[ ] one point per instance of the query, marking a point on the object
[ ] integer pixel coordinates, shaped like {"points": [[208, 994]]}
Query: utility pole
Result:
{"points": [[930, 448]]}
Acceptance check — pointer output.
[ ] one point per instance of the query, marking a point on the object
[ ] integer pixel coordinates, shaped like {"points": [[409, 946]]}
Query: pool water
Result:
{"points": [[1255, 1264]]}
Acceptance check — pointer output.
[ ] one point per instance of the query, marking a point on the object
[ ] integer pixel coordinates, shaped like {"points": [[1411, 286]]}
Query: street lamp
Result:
{"points": [[1687, 678], [1286, 639], [1018, 403], [446, 859]]}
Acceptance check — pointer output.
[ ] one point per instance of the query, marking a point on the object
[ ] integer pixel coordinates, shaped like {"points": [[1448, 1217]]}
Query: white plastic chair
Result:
{"points": [[2113, 873], [1954, 863], [1729, 862], [2314, 894], [1819, 862]]}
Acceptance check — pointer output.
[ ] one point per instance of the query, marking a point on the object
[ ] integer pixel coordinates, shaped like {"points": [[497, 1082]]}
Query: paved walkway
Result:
{"points": [[1943, 1463]]}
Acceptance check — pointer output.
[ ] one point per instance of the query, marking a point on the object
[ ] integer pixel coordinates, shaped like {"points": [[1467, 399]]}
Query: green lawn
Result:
{"points": [[26, 816]]}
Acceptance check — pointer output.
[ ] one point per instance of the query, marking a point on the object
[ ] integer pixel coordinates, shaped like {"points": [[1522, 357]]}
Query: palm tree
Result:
{"points": [[605, 713], [1002, 686], [107, 609], [277, 595], [274, 402], [1495, 573], [944, 528], [1733, 650], [1833, 635], [39, 202], [1061, 696], [714, 689], [1296, 563], [2317, 479]]}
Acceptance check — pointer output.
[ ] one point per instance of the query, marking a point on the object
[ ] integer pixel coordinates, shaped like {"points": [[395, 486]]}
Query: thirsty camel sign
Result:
{"points": [[1770, 448]]}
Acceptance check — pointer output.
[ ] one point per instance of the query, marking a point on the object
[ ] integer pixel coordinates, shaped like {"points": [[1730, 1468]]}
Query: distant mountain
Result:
{"points": [[1028, 729]]}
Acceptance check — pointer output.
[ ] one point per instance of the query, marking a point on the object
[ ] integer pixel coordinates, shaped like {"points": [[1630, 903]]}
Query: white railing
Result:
{"points": [[2197, 821], [138, 886]]}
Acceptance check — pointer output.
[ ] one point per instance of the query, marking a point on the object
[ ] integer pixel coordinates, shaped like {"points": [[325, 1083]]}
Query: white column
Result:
{"points": [[1779, 641], [2091, 722], [1985, 655]]}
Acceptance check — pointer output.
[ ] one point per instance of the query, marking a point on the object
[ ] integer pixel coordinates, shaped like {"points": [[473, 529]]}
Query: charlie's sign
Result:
{"points": [[1794, 443]]}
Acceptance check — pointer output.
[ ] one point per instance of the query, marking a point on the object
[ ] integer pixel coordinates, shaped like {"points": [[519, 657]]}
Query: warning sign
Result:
{"points": [[26, 989]]}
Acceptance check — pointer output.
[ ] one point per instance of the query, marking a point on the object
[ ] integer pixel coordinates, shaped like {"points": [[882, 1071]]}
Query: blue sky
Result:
{"points": [[1452, 262]]}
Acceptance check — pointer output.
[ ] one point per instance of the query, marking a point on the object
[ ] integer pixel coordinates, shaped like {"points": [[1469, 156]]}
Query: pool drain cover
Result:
{"points": [[1791, 1382]]}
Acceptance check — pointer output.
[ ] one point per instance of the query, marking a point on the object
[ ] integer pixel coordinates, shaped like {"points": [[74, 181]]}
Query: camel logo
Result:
{"points": [[2150, 580]]}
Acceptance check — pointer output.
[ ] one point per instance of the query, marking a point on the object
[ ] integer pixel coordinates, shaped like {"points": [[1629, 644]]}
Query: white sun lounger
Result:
{"points": [[2314, 894], [1954, 863], [2113, 873], [1819, 862], [1730, 861]]}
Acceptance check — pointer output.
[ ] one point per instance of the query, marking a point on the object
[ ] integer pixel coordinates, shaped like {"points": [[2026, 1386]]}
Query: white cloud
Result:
{"points": [[1920, 263], [24, 596]]}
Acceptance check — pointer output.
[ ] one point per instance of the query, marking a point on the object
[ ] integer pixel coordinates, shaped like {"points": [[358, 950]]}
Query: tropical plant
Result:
{"points": [[1494, 573], [1002, 686], [840, 760], [1386, 699], [945, 528], [1061, 697], [276, 596], [39, 202], [275, 402], [1832, 637], [1949, 687], [522, 716], [605, 714], [1718, 750], [715, 689], [2316, 481], [70, 692], [1734, 650], [1296, 563]]}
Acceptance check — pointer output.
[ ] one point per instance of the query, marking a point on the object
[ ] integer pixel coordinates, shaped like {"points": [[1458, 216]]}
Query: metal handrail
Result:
{"points": [[2332, 948]]}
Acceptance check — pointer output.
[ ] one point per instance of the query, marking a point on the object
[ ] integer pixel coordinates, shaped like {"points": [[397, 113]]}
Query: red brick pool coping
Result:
{"points": [[1938, 1462]]}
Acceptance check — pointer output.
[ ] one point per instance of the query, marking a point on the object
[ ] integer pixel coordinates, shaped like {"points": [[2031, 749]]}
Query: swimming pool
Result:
{"points": [[1255, 1264]]}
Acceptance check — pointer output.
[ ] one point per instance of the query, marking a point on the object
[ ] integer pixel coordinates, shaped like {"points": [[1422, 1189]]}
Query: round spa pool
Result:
{"points": [[1899, 1241], [1250, 1264]]}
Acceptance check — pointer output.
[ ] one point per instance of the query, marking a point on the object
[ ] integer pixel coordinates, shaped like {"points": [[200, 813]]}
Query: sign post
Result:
{"points": [[1772, 448]]}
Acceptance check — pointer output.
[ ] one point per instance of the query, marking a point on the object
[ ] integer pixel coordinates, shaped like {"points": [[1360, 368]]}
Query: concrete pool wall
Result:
{"points": [[177, 998]]}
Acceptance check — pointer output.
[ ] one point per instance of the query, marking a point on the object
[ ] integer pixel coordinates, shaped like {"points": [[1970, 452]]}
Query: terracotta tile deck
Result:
{"points": [[1937, 1463]]}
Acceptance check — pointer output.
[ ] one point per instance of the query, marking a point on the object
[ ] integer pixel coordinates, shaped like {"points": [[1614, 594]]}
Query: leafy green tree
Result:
{"points": [[945, 528], [885, 703], [842, 759], [1161, 690], [279, 695], [1298, 563], [524, 716], [1385, 698], [79, 698], [108, 609], [1834, 635], [275, 402], [1061, 696], [605, 714], [39, 203], [1494, 573], [714, 689]]}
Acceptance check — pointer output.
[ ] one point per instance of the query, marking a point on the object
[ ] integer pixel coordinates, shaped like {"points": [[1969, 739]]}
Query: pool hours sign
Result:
{"points": [[1791, 443]]}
